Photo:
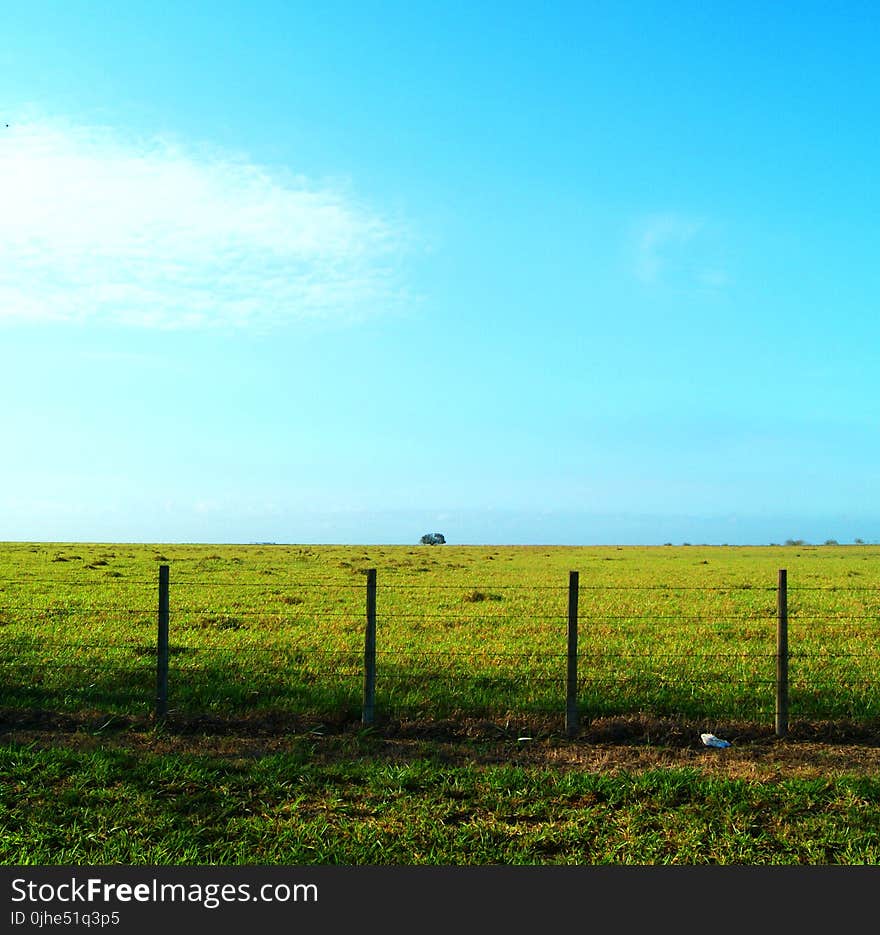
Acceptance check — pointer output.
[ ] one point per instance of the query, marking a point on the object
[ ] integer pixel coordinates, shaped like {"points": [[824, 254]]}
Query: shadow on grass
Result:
{"points": [[215, 694]]}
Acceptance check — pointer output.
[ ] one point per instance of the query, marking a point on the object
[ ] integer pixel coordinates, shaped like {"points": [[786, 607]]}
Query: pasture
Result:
{"points": [[263, 759], [685, 632]]}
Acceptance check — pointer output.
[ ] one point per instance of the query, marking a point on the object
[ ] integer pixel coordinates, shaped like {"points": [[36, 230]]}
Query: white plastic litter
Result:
{"points": [[710, 740]]}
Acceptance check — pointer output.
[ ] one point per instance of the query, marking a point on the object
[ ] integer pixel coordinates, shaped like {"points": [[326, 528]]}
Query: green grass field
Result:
{"points": [[263, 759], [461, 631], [115, 807]]}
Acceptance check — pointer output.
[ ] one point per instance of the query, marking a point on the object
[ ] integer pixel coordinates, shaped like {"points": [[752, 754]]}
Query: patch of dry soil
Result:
{"points": [[624, 744]]}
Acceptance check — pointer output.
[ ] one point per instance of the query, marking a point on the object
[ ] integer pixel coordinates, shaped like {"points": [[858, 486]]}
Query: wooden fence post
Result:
{"points": [[370, 651], [782, 654], [162, 646], [571, 700]]}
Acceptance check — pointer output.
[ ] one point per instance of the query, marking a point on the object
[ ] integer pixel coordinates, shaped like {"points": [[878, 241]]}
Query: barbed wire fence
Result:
{"points": [[346, 650]]}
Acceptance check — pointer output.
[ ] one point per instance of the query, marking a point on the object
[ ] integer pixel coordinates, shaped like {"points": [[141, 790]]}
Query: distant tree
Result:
{"points": [[831, 542], [433, 538], [859, 541]]}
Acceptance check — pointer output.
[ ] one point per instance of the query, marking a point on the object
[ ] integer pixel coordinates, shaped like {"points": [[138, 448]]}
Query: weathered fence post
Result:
{"points": [[370, 651], [782, 654], [571, 699], [162, 646]]}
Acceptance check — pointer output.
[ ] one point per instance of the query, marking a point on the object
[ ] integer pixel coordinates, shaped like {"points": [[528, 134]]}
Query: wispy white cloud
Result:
{"points": [[96, 226], [657, 237], [677, 249]]}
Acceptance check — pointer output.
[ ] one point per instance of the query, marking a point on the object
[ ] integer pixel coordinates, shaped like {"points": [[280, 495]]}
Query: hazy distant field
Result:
{"points": [[462, 631]]}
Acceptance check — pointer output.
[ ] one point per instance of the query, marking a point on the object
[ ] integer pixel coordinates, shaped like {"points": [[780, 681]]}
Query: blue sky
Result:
{"points": [[563, 273]]}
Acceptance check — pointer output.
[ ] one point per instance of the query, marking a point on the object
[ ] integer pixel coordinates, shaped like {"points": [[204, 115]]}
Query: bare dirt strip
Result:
{"points": [[612, 745]]}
